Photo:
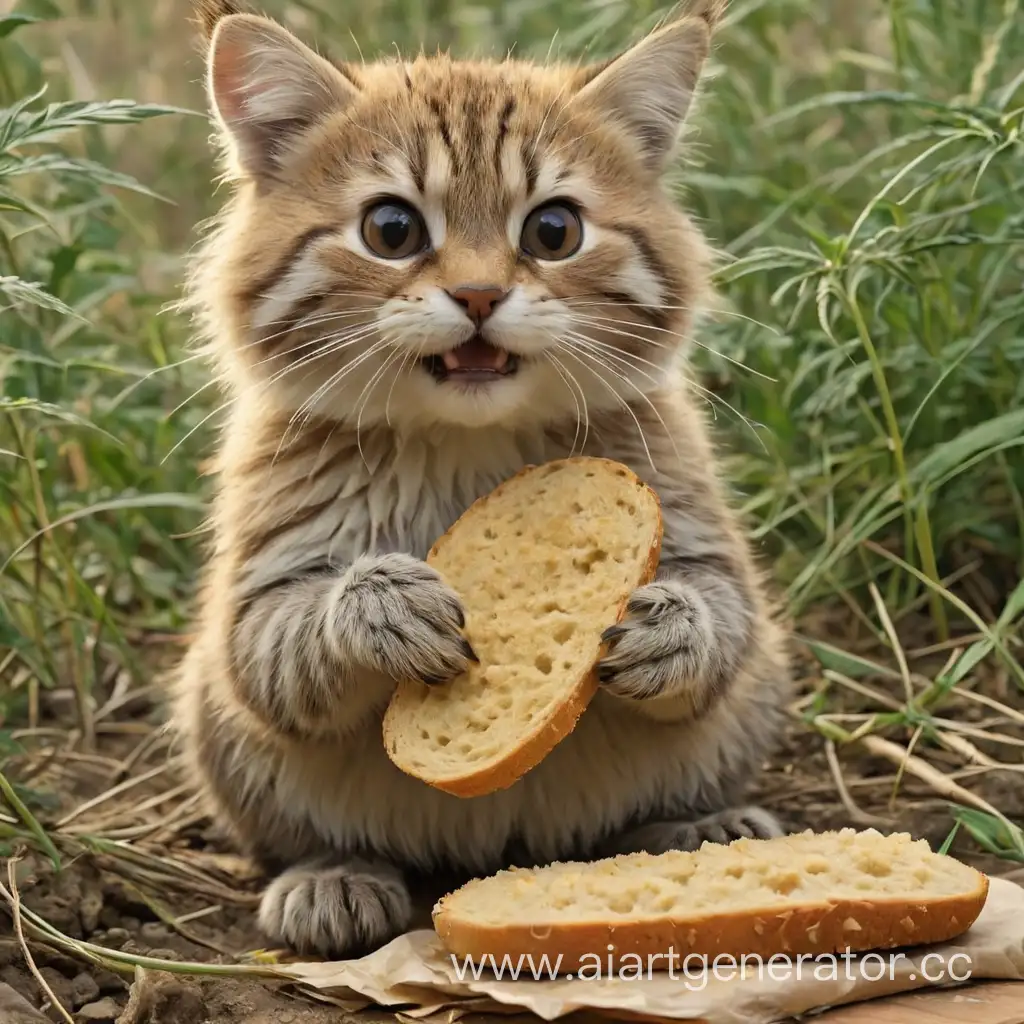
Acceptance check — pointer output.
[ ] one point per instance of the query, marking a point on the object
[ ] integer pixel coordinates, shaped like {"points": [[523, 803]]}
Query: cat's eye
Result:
{"points": [[393, 230], [552, 232]]}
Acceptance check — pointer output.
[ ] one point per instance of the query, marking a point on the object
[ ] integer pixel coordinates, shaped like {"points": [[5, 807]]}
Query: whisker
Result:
{"points": [[693, 309], [547, 113], [135, 384], [305, 410], [330, 343], [709, 396], [307, 322], [367, 392], [600, 321], [613, 353], [561, 370], [589, 322], [619, 353], [622, 401], [409, 353], [279, 355], [304, 324], [309, 403], [318, 393]]}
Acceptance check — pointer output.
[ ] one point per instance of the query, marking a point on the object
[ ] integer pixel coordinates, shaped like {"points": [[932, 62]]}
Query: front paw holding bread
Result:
{"points": [[664, 648], [395, 614]]}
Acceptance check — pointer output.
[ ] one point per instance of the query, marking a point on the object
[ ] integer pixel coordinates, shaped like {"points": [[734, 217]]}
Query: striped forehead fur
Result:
{"points": [[292, 302]]}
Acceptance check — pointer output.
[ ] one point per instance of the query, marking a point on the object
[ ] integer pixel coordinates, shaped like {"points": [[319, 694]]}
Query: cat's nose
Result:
{"points": [[478, 302]]}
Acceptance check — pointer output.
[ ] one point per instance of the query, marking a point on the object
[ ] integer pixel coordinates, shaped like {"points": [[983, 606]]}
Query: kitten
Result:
{"points": [[430, 274]]}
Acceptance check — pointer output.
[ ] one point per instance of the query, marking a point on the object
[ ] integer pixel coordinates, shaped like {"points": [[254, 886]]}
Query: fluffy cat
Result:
{"points": [[430, 273]]}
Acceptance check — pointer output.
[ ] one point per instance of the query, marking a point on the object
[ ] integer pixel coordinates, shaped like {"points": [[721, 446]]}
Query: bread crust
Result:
{"points": [[535, 746], [822, 927]]}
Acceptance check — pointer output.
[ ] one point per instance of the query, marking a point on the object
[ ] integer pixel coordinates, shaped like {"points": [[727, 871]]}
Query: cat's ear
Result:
{"points": [[650, 87], [266, 87]]}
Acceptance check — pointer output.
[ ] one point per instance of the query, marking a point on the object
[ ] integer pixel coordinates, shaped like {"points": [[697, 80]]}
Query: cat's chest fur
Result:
{"points": [[428, 482], [382, 494]]}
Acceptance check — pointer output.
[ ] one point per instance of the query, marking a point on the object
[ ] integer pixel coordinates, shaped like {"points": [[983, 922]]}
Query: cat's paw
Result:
{"points": [[335, 910], [665, 647], [749, 822], [395, 614]]}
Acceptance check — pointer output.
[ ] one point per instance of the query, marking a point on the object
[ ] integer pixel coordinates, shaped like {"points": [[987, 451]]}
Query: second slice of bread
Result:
{"points": [[802, 894], [543, 565]]}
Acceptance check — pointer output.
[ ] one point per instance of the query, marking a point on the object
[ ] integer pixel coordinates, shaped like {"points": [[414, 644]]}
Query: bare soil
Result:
{"points": [[176, 892]]}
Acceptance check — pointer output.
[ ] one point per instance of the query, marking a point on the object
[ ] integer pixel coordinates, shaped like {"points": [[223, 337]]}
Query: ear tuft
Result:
{"points": [[649, 88], [267, 88], [209, 12]]}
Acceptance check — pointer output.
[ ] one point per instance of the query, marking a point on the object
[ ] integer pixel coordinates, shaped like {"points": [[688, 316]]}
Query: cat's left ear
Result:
{"points": [[267, 88], [650, 87]]}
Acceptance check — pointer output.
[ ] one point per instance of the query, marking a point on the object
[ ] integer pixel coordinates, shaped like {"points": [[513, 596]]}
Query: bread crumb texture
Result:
{"points": [[746, 874], [810, 892], [543, 566]]}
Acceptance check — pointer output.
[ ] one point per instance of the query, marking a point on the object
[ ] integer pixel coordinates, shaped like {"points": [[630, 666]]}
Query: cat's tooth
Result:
{"points": [[501, 359], [450, 360]]}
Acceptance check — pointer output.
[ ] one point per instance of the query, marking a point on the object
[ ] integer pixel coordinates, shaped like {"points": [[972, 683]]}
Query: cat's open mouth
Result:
{"points": [[474, 361]]}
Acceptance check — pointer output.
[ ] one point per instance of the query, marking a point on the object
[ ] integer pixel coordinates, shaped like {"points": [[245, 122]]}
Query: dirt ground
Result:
{"points": [[174, 891]]}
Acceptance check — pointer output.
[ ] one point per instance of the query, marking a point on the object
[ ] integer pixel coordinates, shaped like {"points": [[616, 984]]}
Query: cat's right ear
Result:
{"points": [[649, 88], [266, 88]]}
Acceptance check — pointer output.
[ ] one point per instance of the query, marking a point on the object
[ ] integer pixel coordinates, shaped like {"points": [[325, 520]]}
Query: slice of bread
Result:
{"points": [[802, 894], [543, 565]]}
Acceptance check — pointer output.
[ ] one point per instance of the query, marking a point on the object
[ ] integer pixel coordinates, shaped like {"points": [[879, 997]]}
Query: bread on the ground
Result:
{"points": [[543, 565], [801, 894]]}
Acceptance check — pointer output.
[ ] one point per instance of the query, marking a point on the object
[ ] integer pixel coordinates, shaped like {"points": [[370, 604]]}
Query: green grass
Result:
{"points": [[859, 167]]}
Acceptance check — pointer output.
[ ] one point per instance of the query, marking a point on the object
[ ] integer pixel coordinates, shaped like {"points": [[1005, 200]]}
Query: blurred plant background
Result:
{"points": [[860, 167]]}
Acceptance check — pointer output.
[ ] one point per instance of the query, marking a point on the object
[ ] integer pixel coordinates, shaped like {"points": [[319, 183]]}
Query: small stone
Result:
{"points": [[90, 909], [59, 915], [59, 986], [84, 989], [16, 1010], [177, 1002], [105, 1011], [109, 917], [154, 932], [110, 983], [54, 958], [116, 937], [165, 954]]}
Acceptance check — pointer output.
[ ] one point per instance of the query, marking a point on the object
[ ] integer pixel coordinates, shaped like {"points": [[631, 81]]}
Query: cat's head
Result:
{"points": [[435, 240]]}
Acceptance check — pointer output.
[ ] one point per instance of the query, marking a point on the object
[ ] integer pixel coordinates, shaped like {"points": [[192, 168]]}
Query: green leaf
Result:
{"points": [[1002, 838], [946, 457], [12, 22], [9, 201], [20, 126], [1014, 606], [971, 657], [29, 293], [852, 665], [58, 164], [830, 100], [28, 819], [948, 841], [140, 501], [48, 409]]}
